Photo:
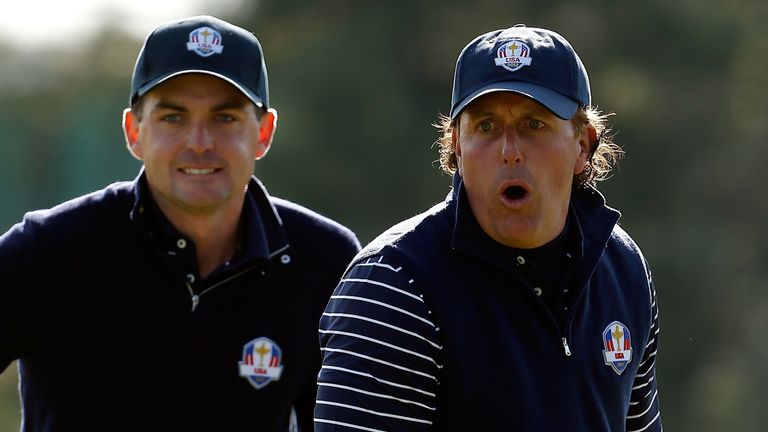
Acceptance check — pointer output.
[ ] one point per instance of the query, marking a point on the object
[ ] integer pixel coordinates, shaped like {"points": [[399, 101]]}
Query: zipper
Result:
{"points": [[553, 321], [548, 313], [196, 297], [566, 348], [572, 315]]}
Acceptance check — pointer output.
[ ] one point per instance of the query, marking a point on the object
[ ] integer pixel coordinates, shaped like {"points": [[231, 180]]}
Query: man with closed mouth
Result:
{"points": [[188, 298]]}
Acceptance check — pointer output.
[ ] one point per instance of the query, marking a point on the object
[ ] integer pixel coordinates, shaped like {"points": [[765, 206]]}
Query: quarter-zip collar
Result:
{"points": [[593, 222], [596, 221], [263, 236]]}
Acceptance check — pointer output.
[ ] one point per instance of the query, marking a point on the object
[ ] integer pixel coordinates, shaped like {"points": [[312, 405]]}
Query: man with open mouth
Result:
{"points": [[518, 303]]}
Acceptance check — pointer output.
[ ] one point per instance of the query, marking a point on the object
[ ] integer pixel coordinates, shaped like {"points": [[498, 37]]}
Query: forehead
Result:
{"points": [[505, 101]]}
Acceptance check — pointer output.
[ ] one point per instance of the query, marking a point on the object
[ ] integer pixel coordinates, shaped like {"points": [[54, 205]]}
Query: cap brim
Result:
{"points": [[560, 105], [159, 80]]}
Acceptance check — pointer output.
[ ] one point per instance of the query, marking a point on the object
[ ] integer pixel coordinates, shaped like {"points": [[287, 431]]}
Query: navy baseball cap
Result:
{"points": [[534, 62], [202, 44]]}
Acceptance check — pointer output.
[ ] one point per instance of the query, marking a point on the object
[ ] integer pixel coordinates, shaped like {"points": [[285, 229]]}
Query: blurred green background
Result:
{"points": [[357, 85]]}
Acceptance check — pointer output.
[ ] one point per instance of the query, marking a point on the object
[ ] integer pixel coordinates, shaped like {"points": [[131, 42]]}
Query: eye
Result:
{"points": [[535, 124], [485, 126], [171, 118], [225, 118]]}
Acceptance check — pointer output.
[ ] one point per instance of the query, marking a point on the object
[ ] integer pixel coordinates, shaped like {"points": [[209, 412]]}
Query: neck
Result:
{"points": [[216, 235]]}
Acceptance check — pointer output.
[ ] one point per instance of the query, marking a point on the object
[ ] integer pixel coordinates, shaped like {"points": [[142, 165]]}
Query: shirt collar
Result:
{"points": [[263, 234], [592, 223]]}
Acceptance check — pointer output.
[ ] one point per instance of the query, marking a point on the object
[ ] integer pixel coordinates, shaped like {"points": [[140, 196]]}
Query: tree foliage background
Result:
{"points": [[357, 85]]}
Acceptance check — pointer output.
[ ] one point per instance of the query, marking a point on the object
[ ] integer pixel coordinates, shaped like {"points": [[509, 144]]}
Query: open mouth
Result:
{"points": [[515, 193]]}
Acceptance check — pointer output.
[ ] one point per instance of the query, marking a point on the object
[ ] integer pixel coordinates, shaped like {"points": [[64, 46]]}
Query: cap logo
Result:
{"points": [[513, 55], [205, 41], [618, 346]]}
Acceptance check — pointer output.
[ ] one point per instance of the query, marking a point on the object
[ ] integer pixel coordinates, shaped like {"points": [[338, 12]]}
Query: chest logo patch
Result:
{"points": [[261, 363], [618, 346]]}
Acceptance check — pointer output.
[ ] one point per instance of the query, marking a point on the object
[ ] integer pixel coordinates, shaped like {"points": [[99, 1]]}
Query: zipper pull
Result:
{"points": [[195, 297], [565, 347]]}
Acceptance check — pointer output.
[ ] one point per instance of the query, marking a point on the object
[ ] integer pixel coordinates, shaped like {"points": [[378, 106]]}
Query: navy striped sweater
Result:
{"points": [[436, 327]]}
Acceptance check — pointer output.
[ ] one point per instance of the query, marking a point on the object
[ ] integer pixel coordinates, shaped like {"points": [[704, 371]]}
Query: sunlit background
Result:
{"points": [[357, 84]]}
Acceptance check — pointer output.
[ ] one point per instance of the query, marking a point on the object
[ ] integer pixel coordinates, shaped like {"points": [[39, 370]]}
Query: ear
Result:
{"points": [[267, 127], [586, 140], [131, 132]]}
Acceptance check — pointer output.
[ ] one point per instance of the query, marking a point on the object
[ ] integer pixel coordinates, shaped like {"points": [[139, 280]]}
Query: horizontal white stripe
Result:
{"points": [[643, 385], [644, 396], [650, 405], [654, 325], [648, 425], [650, 357], [650, 342], [650, 368], [381, 414], [352, 353], [383, 381], [383, 285], [375, 264], [378, 395], [380, 342], [376, 302], [349, 425], [382, 323]]}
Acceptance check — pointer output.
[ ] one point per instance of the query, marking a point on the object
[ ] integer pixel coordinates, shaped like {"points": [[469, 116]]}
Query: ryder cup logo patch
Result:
{"points": [[618, 346], [513, 55], [261, 362], [205, 41]]}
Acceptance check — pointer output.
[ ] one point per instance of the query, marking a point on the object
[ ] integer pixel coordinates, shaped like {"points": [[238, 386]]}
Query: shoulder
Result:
{"points": [[84, 212], [407, 238], [600, 223], [623, 244], [301, 222], [69, 226], [384, 289]]}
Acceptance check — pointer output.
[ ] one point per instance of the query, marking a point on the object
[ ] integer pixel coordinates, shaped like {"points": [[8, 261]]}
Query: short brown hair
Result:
{"points": [[603, 154]]}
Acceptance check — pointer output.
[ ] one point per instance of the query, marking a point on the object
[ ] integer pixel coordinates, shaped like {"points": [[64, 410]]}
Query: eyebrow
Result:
{"points": [[231, 104], [226, 105], [538, 109], [533, 109], [479, 112], [169, 106]]}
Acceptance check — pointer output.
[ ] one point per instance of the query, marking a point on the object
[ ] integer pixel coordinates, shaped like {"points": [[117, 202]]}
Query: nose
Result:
{"points": [[200, 138], [510, 148]]}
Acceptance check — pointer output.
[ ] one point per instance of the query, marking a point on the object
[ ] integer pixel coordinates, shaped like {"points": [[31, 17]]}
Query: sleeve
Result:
{"points": [[302, 410], [644, 413], [380, 353], [17, 283]]}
